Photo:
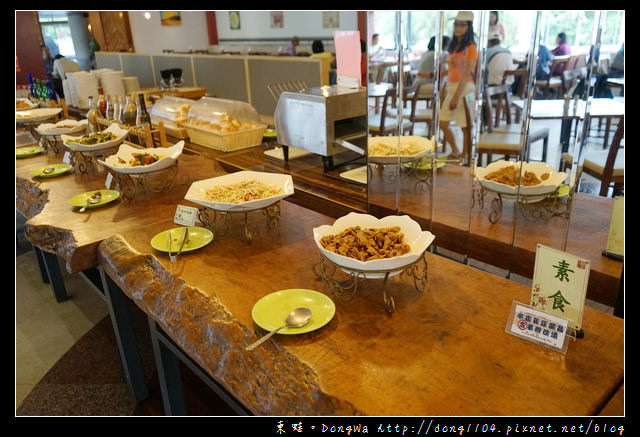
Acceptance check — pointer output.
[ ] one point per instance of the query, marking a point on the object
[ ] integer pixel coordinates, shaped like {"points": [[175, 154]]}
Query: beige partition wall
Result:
{"points": [[243, 78]]}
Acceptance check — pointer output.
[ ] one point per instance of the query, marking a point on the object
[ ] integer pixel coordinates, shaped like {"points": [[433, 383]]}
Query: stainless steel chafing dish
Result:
{"points": [[323, 120]]}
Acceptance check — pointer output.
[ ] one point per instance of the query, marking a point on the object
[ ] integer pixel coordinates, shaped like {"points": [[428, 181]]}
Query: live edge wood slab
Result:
{"points": [[443, 352]]}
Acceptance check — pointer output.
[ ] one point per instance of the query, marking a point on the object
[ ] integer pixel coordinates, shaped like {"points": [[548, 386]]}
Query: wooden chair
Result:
{"points": [[605, 165], [535, 134], [489, 143], [383, 123], [518, 94], [552, 84]]}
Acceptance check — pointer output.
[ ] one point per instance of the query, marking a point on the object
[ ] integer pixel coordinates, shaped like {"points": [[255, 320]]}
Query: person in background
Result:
{"points": [[46, 58], [462, 60], [426, 66], [562, 49], [291, 47], [496, 26], [617, 65], [376, 51], [363, 62], [542, 65], [499, 59], [62, 66], [327, 59]]}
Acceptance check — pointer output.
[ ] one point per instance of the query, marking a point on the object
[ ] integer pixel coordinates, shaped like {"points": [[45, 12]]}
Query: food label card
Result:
{"points": [[66, 158], [185, 215], [539, 327], [559, 284]]}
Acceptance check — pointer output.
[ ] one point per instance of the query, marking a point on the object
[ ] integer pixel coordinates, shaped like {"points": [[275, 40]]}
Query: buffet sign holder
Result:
{"points": [[326, 269], [217, 221], [532, 207]]}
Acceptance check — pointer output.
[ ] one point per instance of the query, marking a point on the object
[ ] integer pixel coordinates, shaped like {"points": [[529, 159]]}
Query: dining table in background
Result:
{"points": [[569, 111]]}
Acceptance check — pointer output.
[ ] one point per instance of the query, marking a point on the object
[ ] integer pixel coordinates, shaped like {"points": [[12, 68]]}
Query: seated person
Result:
{"points": [[327, 59], [562, 49], [426, 67], [499, 59]]}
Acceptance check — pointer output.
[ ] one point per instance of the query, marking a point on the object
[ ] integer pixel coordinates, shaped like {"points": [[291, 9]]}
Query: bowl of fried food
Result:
{"points": [[364, 243], [134, 160], [535, 180]]}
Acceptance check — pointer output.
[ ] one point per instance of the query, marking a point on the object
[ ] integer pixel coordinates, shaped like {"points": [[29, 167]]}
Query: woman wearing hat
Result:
{"points": [[462, 59]]}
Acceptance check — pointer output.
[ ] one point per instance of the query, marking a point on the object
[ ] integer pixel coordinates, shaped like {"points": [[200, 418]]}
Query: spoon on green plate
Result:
{"points": [[92, 200], [296, 319]]}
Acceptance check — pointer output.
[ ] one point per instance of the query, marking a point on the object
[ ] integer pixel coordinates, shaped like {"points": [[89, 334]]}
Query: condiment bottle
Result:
{"points": [[117, 109], [143, 116], [102, 105], [109, 111], [92, 115], [129, 112]]}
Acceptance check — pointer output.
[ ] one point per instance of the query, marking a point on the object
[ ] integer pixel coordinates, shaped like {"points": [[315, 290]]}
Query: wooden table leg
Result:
{"points": [[54, 273], [120, 311]]}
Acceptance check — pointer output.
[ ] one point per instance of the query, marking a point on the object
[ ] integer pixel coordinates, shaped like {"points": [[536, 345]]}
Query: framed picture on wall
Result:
{"points": [[330, 19], [234, 20], [170, 18], [277, 19]]}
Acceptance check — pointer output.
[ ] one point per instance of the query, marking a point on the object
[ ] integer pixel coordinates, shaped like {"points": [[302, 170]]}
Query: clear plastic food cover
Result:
{"points": [[212, 109], [172, 109]]}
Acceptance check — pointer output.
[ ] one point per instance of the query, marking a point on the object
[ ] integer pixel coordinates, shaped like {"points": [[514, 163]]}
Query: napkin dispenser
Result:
{"points": [[323, 120]]}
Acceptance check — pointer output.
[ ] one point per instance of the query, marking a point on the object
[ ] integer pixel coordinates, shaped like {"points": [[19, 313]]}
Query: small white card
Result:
{"points": [[537, 326], [67, 158], [107, 183], [559, 284], [185, 215]]}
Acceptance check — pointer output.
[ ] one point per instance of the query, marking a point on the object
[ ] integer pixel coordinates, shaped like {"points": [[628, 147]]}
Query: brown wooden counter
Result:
{"points": [[55, 226], [444, 352]]}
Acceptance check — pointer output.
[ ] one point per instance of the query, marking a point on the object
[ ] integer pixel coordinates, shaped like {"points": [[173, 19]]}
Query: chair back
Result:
{"points": [[607, 173], [522, 74], [500, 92], [391, 93]]}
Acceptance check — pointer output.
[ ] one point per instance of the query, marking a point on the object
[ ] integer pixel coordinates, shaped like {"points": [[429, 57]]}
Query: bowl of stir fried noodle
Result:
{"points": [[241, 191], [535, 179]]}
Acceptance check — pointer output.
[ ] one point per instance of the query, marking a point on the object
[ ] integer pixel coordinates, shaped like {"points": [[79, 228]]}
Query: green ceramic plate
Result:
{"points": [[198, 237], [426, 165], [271, 310], [25, 152], [107, 196], [269, 133], [58, 169]]}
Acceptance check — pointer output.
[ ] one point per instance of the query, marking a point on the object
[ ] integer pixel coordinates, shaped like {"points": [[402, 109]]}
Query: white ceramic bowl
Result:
{"points": [[197, 191], [539, 192], [119, 133], [36, 114], [125, 152], [55, 129], [422, 145], [417, 239], [30, 104]]}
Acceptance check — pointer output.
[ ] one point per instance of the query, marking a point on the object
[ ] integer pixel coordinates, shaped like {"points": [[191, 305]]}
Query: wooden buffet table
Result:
{"points": [[443, 352]]}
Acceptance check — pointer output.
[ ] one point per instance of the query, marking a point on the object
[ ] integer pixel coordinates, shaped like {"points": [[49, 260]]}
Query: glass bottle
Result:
{"points": [[53, 97], [92, 115], [109, 110], [31, 85], [102, 106], [129, 112], [143, 116], [117, 109]]}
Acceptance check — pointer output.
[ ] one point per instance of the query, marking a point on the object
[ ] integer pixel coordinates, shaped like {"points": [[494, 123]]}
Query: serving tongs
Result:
{"points": [[174, 257]]}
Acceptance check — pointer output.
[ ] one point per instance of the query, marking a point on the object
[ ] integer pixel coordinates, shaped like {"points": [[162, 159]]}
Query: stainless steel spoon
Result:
{"points": [[47, 170], [296, 318], [92, 200]]}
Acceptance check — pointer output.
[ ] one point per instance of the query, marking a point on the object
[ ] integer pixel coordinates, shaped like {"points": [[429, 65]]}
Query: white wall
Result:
{"points": [[150, 37], [304, 24]]}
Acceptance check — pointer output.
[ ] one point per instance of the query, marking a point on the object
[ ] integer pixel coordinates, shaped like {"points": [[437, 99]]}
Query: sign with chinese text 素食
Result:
{"points": [[542, 328], [559, 284]]}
